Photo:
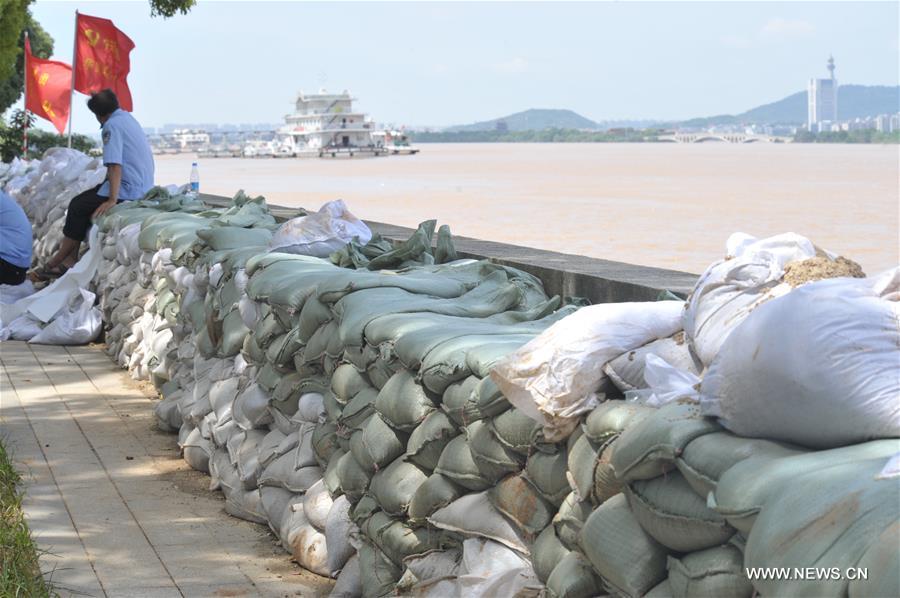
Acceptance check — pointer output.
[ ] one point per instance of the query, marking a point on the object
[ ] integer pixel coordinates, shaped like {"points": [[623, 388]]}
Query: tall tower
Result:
{"points": [[822, 98]]}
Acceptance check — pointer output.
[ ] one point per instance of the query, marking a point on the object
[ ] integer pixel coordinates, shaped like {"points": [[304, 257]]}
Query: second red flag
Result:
{"points": [[101, 58]]}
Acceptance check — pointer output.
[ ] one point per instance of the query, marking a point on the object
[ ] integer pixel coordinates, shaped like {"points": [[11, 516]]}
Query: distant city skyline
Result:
{"points": [[441, 64]]}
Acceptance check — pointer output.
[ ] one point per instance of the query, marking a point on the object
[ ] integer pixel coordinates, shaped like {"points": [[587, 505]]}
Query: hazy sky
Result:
{"points": [[451, 63]]}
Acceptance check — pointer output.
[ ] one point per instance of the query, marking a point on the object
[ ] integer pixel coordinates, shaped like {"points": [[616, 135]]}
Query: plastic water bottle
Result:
{"points": [[195, 180]]}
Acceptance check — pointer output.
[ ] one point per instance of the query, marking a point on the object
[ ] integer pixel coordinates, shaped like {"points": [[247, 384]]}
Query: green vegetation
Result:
{"points": [[863, 136], [16, 18], [169, 8], [542, 136], [20, 573], [38, 141]]}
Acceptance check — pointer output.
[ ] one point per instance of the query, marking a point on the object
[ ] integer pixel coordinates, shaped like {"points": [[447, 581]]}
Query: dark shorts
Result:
{"points": [[10, 273], [78, 216]]}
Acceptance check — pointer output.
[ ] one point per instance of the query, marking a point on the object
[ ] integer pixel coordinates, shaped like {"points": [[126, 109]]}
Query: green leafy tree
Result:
{"points": [[11, 135], [169, 8], [13, 83]]}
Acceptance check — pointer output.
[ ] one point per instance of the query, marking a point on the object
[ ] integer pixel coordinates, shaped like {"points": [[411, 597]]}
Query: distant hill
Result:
{"points": [[854, 101], [535, 119]]}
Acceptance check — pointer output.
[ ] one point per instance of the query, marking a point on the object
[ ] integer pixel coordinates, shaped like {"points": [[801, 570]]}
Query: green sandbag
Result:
{"points": [[324, 442], [661, 590], [458, 358], [491, 458], [573, 577], [547, 472], [428, 440], [880, 562], [412, 249], [516, 431], [233, 237], [333, 408], [485, 401], [403, 403], [744, 489], [268, 377], [317, 346], [355, 311], [375, 444], [358, 409], [706, 458], [709, 573], [649, 448], [313, 316], [612, 417], [521, 503], [281, 350], [628, 560], [346, 382], [823, 517], [363, 510], [233, 333], [382, 369], [444, 251], [378, 574], [434, 493], [675, 516], [569, 520], [354, 479], [399, 540], [583, 460], [457, 464], [393, 487], [269, 328], [546, 553], [455, 398], [606, 484]]}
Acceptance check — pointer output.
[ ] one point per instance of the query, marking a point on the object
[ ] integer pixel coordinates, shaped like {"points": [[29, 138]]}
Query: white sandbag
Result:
{"points": [[77, 323], [308, 546], [553, 378], [817, 367], [491, 569], [626, 371], [665, 383], [730, 289], [474, 515], [321, 233], [317, 504]]}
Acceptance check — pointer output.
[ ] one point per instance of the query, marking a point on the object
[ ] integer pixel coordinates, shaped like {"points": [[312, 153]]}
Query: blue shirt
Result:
{"points": [[15, 233], [125, 143]]}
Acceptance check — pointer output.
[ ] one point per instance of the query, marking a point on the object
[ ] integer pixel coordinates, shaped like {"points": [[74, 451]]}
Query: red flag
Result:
{"points": [[47, 88], [101, 58]]}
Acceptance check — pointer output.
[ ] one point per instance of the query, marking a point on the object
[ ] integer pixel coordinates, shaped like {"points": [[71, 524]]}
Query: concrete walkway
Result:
{"points": [[110, 500]]}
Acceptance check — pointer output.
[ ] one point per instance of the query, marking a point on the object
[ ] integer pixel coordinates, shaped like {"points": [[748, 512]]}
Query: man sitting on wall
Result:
{"points": [[129, 175]]}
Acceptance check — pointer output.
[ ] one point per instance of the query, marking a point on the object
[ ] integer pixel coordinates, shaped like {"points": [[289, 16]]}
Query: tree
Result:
{"points": [[12, 85], [169, 8]]}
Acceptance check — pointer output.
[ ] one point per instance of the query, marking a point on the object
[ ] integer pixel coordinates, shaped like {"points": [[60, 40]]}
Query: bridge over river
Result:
{"points": [[706, 136]]}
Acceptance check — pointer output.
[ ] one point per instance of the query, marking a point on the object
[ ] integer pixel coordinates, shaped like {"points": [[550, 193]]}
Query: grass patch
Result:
{"points": [[20, 573]]}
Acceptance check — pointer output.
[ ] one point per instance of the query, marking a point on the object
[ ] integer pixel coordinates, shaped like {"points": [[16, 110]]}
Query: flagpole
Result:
{"points": [[27, 75], [72, 94]]}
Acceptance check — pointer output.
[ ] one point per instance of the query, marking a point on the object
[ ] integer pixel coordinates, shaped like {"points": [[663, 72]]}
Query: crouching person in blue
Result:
{"points": [[129, 175], [15, 241]]}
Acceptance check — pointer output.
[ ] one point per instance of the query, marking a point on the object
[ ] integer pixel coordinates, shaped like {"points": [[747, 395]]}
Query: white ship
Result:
{"points": [[326, 123]]}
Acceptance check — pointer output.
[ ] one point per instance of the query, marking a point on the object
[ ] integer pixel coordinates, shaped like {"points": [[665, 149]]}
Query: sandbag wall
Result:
{"points": [[44, 189], [347, 404], [352, 412]]}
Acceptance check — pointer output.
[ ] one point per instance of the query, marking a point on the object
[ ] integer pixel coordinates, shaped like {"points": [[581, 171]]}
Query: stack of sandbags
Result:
{"points": [[44, 192]]}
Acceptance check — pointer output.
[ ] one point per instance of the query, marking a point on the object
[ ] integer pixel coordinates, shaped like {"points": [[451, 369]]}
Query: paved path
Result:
{"points": [[110, 500]]}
